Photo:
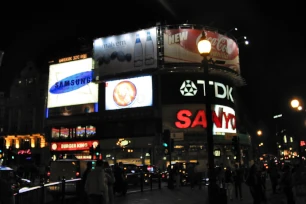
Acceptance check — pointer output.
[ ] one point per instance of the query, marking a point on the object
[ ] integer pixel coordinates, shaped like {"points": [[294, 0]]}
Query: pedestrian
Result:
{"points": [[83, 181], [191, 175], [238, 178], [228, 178], [6, 192], [198, 175], [255, 184], [286, 184], [95, 185], [177, 174], [274, 175], [110, 182]]}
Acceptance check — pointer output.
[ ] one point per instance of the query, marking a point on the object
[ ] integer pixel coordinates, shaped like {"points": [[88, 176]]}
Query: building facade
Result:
{"points": [[143, 83], [24, 138]]}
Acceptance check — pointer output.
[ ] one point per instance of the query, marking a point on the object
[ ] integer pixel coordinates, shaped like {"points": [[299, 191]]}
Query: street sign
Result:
{"points": [[177, 136]]}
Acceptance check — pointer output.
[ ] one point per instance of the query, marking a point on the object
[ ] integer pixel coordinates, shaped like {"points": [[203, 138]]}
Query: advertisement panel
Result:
{"points": [[70, 84], [124, 53], [180, 46], [73, 146], [190, 88], [192, 118], [72, 110], [129, 93]]}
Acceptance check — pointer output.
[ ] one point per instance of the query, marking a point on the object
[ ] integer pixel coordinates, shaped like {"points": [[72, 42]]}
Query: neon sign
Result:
{"points": [[71, 58], [224, 121], [71, 83], [28, 151]]}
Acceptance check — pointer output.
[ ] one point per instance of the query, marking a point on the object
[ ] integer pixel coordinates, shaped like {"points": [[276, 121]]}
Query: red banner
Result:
{"points": [[73, 146]]}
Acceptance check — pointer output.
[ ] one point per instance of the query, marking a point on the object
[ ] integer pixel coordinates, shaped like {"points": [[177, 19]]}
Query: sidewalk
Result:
{"points": [[178, 196]]}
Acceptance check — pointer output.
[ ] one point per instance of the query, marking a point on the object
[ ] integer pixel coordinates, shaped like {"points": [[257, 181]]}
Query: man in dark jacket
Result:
{"points": [[6, 192], [84, 178], [238, 178]]}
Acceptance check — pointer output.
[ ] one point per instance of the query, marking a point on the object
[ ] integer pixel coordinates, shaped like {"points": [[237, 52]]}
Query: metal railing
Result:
{"points": [[59, 192]]}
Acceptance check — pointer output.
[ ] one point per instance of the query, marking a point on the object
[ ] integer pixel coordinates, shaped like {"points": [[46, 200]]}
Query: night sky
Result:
{"points": [[273, 64]]}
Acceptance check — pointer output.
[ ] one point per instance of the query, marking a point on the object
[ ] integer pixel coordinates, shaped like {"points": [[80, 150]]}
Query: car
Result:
{"points": [[16, 181], [150, 171], [132, 174]]}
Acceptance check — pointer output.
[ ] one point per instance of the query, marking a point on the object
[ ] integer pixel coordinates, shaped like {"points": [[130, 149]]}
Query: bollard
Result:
{"points": [[159, 181], [42, 191], [141, 181], [151, 181], [63, 189]]}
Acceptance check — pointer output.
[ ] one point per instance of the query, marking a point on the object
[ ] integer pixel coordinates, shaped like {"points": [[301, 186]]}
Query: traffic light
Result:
{"points": [[97, 150], [235, 145], [167, 142]]}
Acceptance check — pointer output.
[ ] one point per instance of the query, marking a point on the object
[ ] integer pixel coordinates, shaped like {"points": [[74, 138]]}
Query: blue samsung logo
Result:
{"points": [[71, 83]]}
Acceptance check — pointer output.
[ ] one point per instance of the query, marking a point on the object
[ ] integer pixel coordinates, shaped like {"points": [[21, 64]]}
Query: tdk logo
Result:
{"points": [[189, 88], [71, 83]]}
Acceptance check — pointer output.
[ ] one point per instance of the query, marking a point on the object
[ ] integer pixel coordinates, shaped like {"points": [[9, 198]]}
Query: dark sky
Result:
{"points": [[273, 64]]}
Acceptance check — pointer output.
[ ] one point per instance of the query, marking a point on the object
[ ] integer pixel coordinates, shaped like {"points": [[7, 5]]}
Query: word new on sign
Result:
{"points": [[72, 58], [185, 119]]}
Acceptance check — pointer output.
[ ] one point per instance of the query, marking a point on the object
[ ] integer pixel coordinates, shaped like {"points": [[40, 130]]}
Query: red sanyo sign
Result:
{"points": [[223, 118]]}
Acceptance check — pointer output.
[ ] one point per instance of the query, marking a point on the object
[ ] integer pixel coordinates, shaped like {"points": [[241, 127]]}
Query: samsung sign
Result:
{"points": [[70, 84]]}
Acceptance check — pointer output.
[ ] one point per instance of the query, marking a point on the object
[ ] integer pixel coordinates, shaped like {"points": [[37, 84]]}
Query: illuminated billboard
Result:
{"points": [[70, 83], [180, 46], [127, 52], [129, 93], [180, 88], [192, 118]]}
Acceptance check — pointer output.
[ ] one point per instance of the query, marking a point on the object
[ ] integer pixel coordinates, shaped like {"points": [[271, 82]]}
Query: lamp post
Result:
{"points": [[295, 104], [204, 47]]}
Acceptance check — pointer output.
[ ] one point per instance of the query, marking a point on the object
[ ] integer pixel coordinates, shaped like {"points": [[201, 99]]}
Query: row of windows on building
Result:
{"points": [[73, 133]]}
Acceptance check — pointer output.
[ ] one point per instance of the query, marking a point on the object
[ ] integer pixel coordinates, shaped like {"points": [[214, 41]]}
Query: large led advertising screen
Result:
{"points": [[127, 52], [180, 46], [129, 93], [70, 83]]}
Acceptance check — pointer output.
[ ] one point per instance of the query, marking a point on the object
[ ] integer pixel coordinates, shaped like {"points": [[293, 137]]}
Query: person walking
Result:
{"points": [[228, 178], [95, 185], [286, 184], [84, 178], [274, 175], [191, 175], [255, 184], [238, 178], [110, 182], [6, 192], [198, 175]]}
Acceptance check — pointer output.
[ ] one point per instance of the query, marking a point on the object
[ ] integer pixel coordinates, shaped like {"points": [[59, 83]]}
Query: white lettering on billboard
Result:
{"points": [[188, 88], [125, 53]]}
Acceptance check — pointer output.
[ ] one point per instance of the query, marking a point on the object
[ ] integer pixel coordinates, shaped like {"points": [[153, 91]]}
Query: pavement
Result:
{"points": [[185, 195]]}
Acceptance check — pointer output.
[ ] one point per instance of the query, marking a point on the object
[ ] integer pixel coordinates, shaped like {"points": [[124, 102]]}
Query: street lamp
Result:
{"points": [[295, 103], [204, 47], [259, 133]]}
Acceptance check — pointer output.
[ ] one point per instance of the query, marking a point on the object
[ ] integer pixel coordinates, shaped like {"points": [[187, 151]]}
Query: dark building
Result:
{"points": [[24, 120]]}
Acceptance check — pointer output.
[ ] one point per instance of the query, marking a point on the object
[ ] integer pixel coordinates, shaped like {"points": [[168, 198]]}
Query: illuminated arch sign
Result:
{"points": [[70, 83]]}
